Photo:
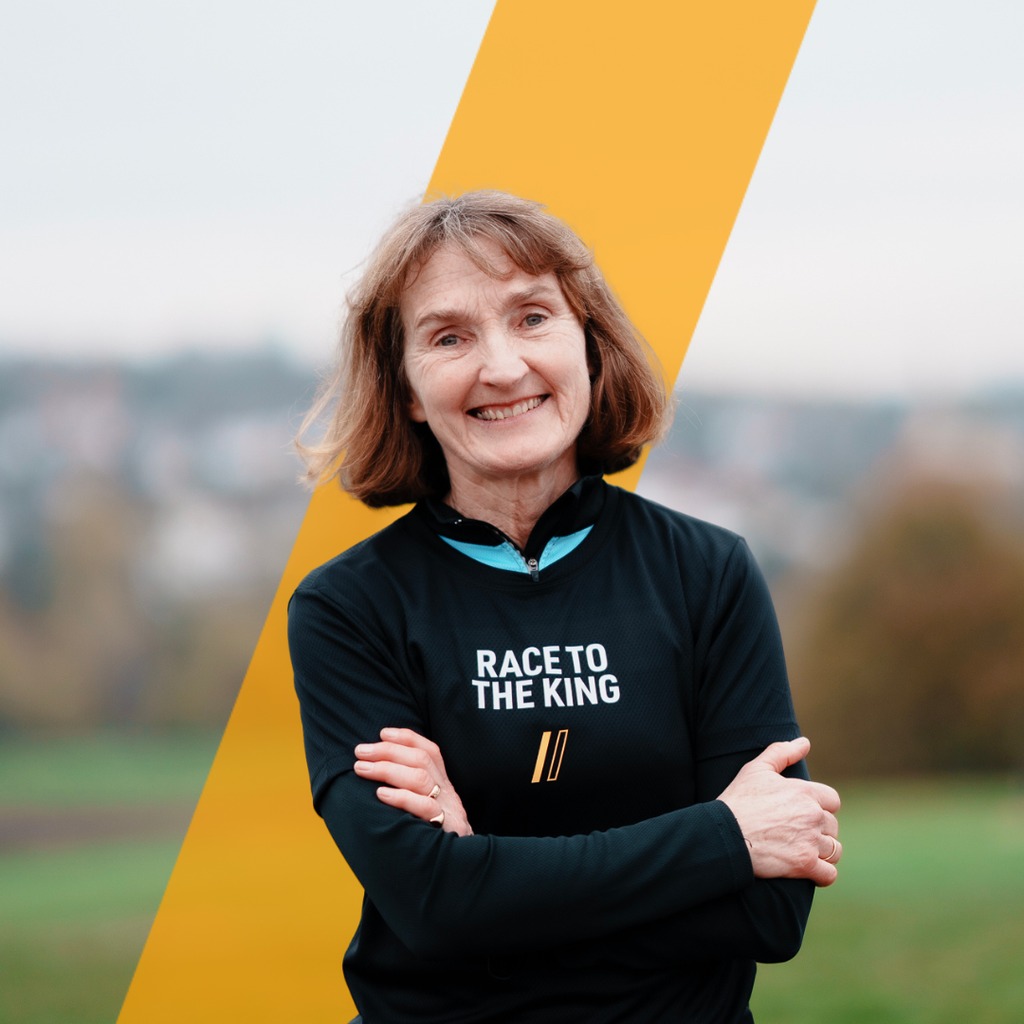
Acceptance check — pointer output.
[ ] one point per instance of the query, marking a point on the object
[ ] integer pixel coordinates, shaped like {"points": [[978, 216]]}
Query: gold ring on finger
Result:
{"points": [[832, 852]]}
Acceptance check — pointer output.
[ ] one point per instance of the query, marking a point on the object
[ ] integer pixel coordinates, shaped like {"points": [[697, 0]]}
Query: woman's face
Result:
{"points": [[497, 368]]}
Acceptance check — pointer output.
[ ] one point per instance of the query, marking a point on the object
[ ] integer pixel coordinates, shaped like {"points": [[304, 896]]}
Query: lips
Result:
{"points": [[506, 412]]}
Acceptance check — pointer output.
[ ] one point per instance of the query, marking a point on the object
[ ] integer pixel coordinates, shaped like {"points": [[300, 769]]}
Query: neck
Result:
{"points": [[513, 506]]}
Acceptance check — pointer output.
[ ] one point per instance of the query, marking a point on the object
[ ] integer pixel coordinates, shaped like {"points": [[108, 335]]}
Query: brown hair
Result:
{"points": [[370, 443]]}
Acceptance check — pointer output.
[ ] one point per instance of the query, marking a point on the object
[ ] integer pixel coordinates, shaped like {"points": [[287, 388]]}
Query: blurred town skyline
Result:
{"points": [[191, 431], [147, 511]]}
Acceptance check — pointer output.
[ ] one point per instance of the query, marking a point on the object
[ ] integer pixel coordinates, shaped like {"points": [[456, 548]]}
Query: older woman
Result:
{"points": [[547, 722]]}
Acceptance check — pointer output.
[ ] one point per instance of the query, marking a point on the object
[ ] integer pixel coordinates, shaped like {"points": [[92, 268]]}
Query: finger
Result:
{"points": [[779, 756], [409, 738], [830, 849], [400, 776], [826, 796], [400, 753], [824, 874], [829, 824], [415, 803]]}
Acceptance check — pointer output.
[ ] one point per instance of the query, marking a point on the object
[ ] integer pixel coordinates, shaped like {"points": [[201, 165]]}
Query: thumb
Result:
{"points": [[779, 756]]}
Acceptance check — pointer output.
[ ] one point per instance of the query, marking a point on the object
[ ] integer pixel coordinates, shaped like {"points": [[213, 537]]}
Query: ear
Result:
{"points": [[415, 408]]}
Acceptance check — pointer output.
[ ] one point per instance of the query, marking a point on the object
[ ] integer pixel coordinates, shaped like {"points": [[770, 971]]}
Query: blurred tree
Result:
{"points": [[912, 650], [71, 653], [94, 647], [206, 646]]}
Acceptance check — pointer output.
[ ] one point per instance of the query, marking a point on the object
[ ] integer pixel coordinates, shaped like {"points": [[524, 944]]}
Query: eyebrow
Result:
{"points": [[436, 316], [523, 297]]}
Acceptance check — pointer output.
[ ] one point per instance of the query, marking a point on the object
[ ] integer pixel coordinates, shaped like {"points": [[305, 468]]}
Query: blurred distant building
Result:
{"points": [[146, 511]]}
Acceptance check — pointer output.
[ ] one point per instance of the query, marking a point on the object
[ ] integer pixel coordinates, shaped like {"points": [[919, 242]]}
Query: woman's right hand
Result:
{"points": [[789, 824], [414, 779]]}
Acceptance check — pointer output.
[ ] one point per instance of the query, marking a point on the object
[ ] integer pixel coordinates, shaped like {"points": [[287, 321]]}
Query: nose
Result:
{"points": [[502, 361]]}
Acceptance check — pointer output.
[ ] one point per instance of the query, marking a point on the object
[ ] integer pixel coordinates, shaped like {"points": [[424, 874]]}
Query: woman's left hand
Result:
{"points": [[412, 772]]}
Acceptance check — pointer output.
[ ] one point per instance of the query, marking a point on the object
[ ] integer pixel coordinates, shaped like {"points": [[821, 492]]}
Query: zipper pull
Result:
{"points": [[531, 564]]}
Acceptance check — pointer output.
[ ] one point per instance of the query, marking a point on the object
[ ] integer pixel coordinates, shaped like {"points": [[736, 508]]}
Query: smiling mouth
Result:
{"points": [[507, 412]]}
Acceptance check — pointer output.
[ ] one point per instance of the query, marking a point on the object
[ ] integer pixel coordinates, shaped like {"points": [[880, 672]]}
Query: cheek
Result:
{"points": [[434, 391], [586, 399]]}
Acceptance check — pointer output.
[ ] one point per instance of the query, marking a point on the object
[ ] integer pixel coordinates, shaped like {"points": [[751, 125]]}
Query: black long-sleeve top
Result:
{"points": [[589, 713]]}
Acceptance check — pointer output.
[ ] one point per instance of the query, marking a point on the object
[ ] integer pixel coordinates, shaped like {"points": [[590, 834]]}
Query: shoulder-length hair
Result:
{"points": [[370, 443]]}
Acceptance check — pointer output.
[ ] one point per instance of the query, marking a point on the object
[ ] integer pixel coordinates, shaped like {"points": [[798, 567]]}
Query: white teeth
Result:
{"points": [[501, 414]]}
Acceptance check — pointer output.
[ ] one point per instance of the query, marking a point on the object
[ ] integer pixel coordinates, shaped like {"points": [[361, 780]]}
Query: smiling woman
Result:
{"points": [[372, 443], [496, 365], [547, 722]]}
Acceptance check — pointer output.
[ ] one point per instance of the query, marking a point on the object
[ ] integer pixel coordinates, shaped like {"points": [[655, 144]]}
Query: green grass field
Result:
{"points": [[926, 925], [74, 913]]}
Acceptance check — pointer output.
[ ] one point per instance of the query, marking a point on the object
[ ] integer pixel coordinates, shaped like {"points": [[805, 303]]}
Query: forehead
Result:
{"points": [[450, 279]]}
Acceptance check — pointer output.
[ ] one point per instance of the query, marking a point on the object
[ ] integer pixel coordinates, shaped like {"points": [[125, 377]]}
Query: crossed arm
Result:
{"points": [[658, 885], [789, 824]]}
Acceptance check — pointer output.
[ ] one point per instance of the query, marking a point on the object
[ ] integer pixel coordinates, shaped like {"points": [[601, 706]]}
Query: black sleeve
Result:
{"points": [[744, 705], [482, 895], [444, 894], [742, 696], [762, 921]]}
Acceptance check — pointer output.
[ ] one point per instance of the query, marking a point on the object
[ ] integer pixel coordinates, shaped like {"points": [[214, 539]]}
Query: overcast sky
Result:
{"points": [[184, 173]]}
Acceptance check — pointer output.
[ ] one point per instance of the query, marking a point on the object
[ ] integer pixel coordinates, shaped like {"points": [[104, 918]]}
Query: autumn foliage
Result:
{"points": [[912, 650]]}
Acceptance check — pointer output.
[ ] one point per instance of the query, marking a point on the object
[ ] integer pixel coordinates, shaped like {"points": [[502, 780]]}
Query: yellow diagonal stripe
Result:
{"points": [[542, 753], [638, 123]]}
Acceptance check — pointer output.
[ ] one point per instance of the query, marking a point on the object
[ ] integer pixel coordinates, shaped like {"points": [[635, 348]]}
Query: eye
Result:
{"points": [[447, 340], [534, 319]]}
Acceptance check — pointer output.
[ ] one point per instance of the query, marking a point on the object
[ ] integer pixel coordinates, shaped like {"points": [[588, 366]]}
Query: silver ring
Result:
{"points": [[438, 819], [433, 793], [832, 852]]}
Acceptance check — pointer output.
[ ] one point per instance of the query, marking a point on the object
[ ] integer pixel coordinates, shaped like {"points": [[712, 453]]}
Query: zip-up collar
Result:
{"points": [[576, 509]]}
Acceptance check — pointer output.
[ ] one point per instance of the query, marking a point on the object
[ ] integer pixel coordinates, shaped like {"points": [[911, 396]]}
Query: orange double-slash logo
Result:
{"points": [[552, 763]]}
